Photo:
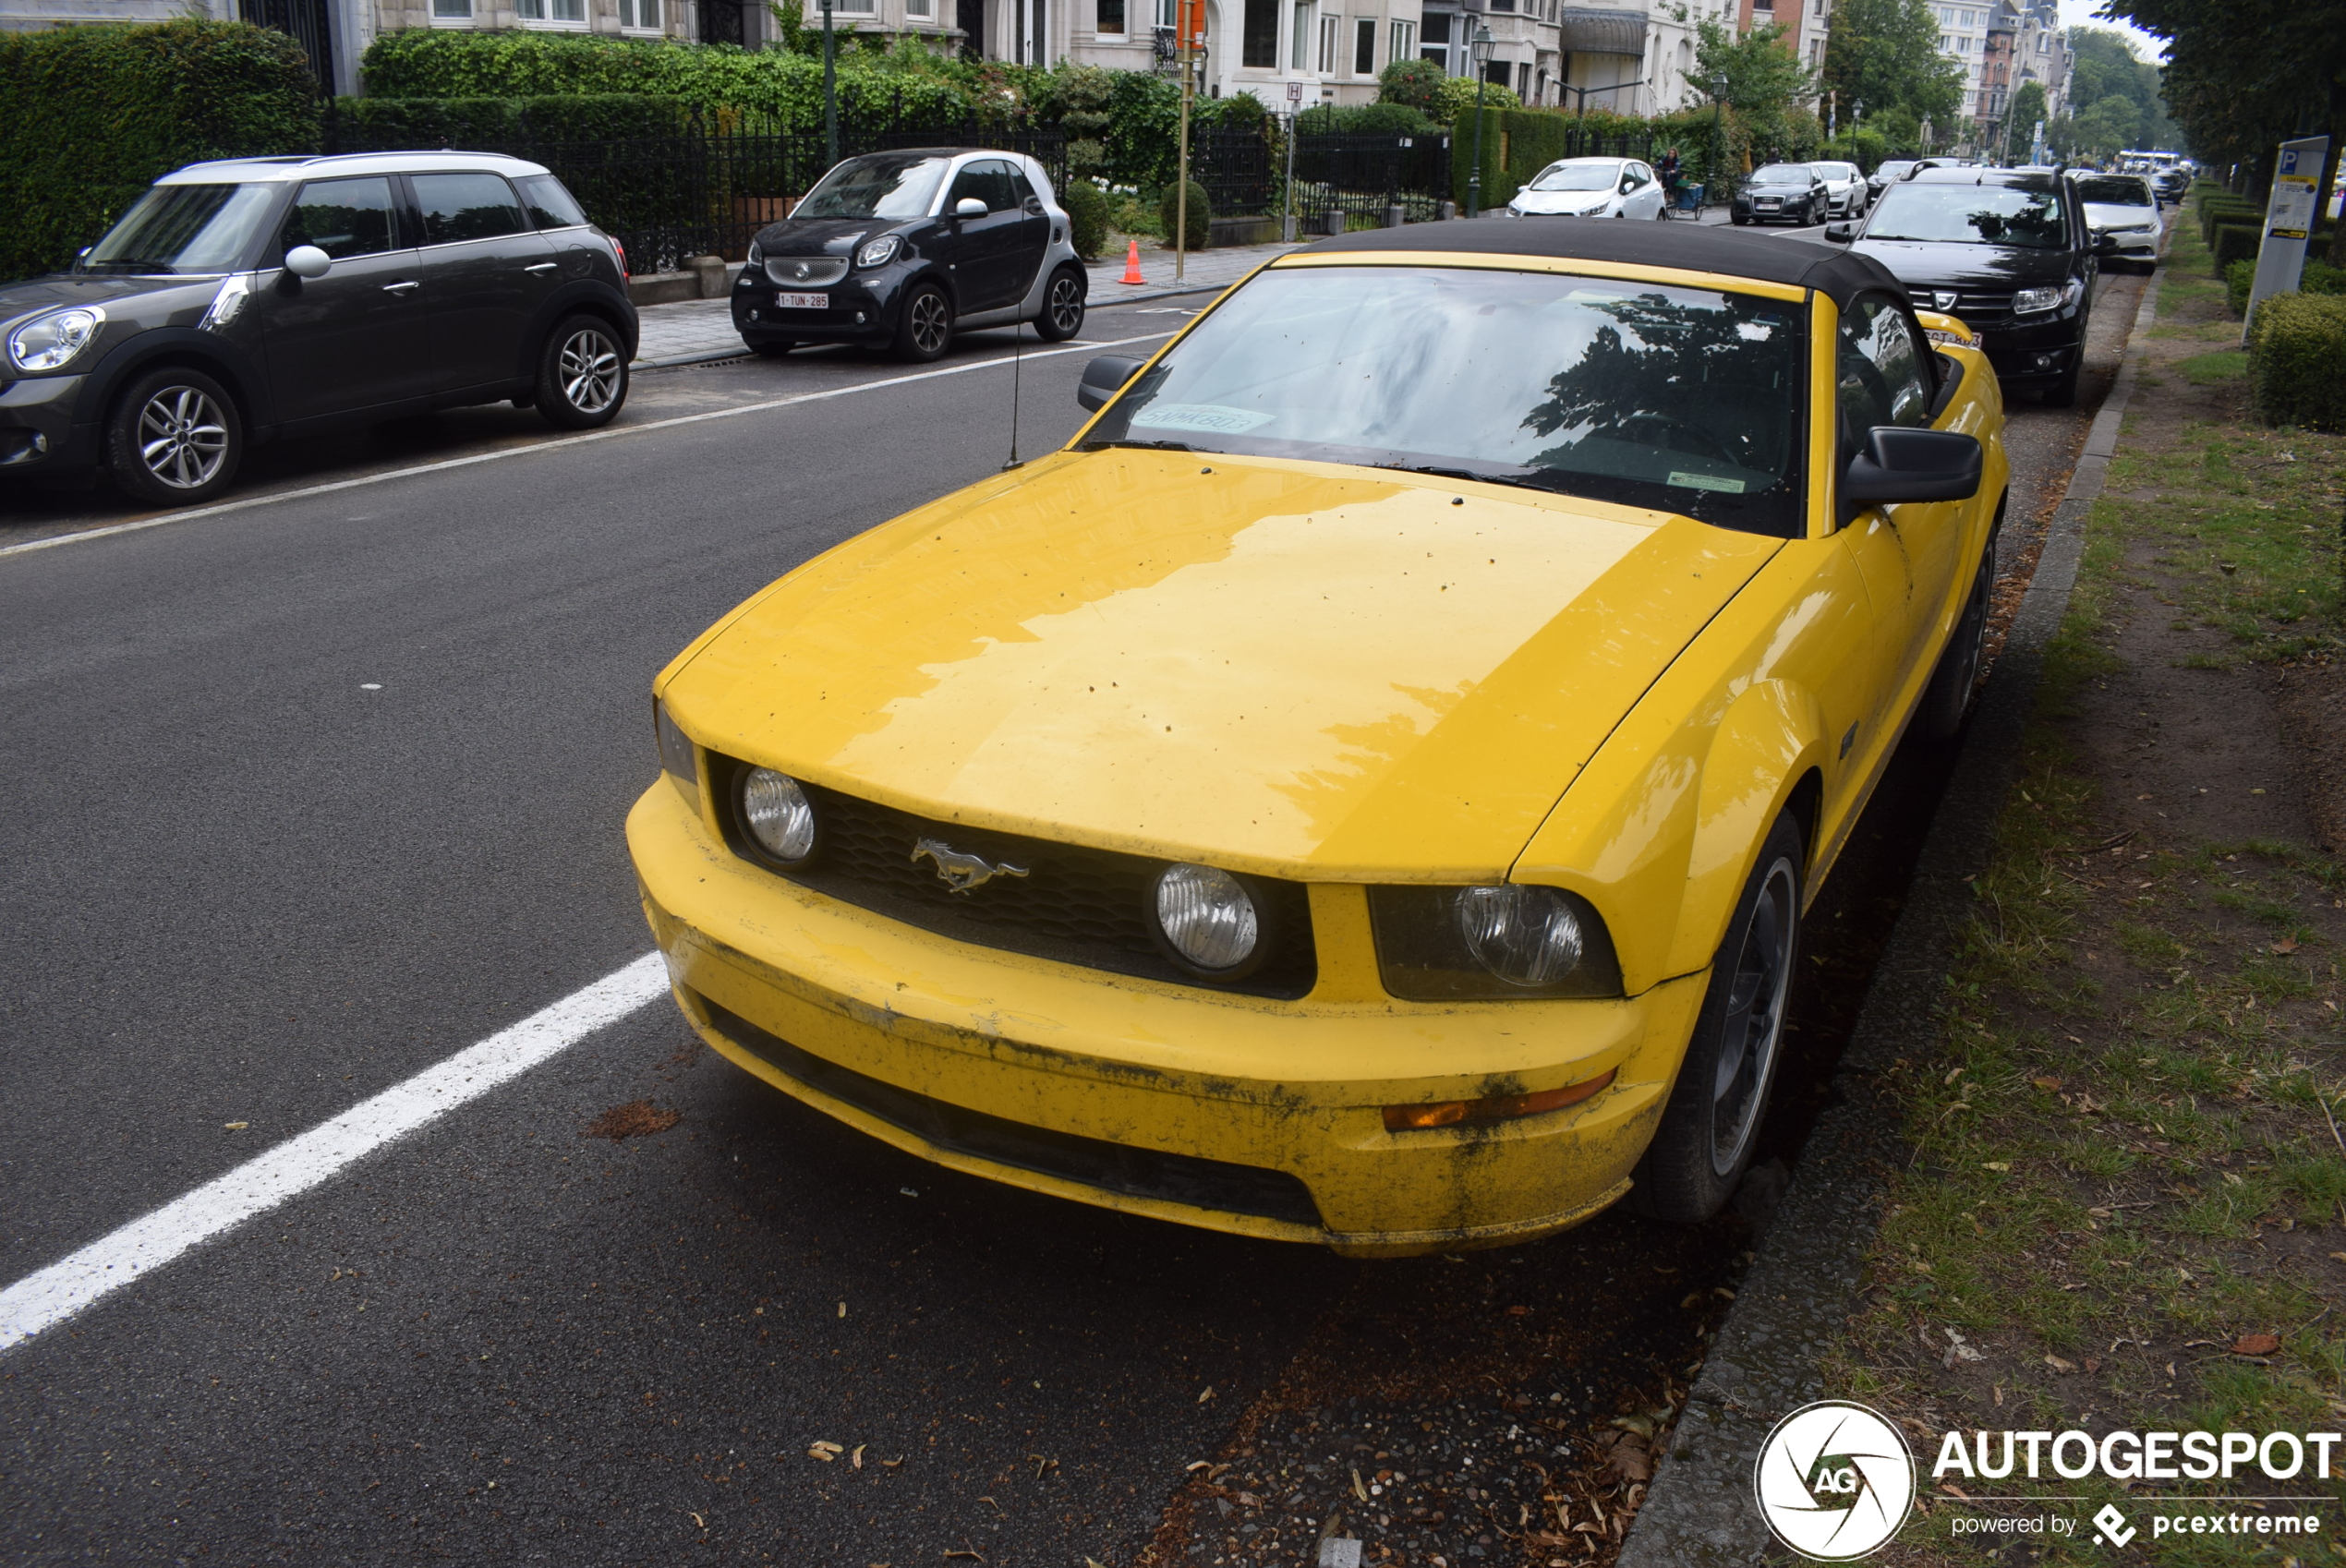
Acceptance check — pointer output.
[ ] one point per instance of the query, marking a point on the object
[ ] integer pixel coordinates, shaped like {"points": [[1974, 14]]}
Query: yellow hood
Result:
{"points": [[1296, 669]]}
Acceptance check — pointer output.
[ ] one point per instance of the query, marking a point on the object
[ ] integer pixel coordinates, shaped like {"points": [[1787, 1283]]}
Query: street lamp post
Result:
{"points": [[1717, 87], [1580, 98], [830, 92], [1478, 49]]}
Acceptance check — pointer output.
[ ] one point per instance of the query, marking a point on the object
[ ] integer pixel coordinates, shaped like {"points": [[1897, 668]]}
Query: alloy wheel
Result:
{"points": [[1066, 305], [930, 322], [183, 437], [589, 370], [1754, 1024]]}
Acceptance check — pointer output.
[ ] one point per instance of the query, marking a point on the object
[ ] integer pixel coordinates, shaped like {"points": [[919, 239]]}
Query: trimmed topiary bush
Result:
{"points": [[1200, 214], [2295, 347], [2234, 241], [1086, 207], [2239, 279], [89, 116], [372, 124]]}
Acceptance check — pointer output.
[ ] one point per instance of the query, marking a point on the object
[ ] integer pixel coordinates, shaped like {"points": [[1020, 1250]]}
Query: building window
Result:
{"points": [[1259, 40], [639, 16], [1299, 41], [451, 13], [920, 10], [1331, 39], [1109, 17], [1404, 40], [551, 13], [1365, 47], [847, 8]]}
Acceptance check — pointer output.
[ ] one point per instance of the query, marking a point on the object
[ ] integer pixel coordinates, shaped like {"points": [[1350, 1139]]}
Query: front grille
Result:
{"points": [[1092, 908], [806, 271], [1973, 306], [1112, 1167]]}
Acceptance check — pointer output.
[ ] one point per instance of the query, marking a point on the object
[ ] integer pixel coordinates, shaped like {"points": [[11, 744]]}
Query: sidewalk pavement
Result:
{"points": [[701, 330]]}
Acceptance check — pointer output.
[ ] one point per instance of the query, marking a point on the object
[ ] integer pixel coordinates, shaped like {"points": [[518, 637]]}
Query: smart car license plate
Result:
{"points": [[803, 301]]}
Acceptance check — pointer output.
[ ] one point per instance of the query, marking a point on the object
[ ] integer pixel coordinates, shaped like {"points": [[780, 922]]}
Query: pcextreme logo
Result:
{"points": [[1834, 1481]]}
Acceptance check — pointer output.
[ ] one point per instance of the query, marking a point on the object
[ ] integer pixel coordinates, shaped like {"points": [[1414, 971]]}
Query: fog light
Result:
{"points": [[775, 813], [1474, 1112], [1207, 917]]}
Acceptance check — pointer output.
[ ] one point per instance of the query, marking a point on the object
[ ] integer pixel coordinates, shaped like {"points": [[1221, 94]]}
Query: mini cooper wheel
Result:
{"points": [[1946, 702], [582, 374], [176, 438], [1063, 315], [926, 331], [1711, 1122]]}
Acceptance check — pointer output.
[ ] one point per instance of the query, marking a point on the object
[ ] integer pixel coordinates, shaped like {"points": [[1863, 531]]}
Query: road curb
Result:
{"points": [[1764, 1363]]}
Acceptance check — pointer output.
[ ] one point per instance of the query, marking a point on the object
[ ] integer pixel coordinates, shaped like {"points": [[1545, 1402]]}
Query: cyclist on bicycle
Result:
{"points": [[1667, 167]]}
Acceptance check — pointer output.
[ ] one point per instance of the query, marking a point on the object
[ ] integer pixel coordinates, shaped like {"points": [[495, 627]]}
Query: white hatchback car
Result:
{"points": [[1590, 188], [2124, 207], [1847, 187]]}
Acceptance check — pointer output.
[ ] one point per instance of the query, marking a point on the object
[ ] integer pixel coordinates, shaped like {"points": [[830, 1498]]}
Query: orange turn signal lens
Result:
{"points": [[1468, 1112]]}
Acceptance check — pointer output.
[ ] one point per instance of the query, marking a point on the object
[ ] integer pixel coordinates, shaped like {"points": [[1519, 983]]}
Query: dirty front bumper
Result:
{"points": [[1240, 1114]]}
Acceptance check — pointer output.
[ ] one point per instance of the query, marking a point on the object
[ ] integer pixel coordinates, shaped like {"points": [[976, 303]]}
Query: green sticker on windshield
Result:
{"points": [[1706, 482]]}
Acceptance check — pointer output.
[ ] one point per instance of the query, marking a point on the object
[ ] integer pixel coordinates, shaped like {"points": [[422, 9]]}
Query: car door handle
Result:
{"points": [[398, 288], [540, 267]]}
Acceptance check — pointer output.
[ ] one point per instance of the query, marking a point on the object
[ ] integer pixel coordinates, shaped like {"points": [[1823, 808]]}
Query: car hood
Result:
{"points": [[1529, 201], [1757, 189], [1917, 262], [1288, 667], [87, 288], [819, 237], [2113, 215]]}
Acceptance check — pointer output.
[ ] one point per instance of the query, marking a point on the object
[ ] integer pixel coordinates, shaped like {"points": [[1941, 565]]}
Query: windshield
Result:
{"points": [[1577, 176], [883, 184], [1892, 169], [1679, 399], [183, 228], [2115, 192], [1970, 215], [1782, 173]]}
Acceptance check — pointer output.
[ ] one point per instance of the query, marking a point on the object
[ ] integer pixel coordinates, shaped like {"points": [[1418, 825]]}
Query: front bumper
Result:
{"points": [[1191, 1105], [862, 309], [2040, 353], [37, 431]]}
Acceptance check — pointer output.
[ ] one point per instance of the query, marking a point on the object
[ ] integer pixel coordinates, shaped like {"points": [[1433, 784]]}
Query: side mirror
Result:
{"points": [[1899, 463], [969, 207], [1841, 232], [307, 261], [1103, 377]]}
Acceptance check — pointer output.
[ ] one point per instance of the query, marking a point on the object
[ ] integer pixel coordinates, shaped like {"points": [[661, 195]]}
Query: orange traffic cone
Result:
{"points": [[1133, 263]]}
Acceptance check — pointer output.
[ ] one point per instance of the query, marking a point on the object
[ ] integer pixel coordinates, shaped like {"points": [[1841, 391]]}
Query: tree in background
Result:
{"points": [[1768, 87], [1884, 54], [2113, 97], [2020, 120], [1413, 84]]}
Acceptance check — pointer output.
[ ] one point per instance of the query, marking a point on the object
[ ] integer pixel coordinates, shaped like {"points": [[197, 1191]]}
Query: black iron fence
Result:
{"points": [[707, 192], [1245, 174]]}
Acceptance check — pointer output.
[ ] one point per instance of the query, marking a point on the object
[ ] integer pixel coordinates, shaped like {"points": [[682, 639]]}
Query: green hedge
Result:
{"points": [[2295, 347], [2233, 242], [1366, 119], [2318, 277], [1086, 207], [1198, 212], [380, 124], [89, 116]]}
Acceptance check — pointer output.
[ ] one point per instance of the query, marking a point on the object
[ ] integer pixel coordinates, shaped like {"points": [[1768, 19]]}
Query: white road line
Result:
{"points": [[554, 444], [44, 1299]]}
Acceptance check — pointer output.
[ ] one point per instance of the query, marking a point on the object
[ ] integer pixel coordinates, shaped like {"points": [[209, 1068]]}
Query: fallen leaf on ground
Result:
{"points": [[2058, 1365], [2256, 1344], [637, 1118], [1207, 1394], [825, 1452], [1997, 1166], [2286, 945], [856, 1458], [1630, 1461], [2050, 1085]]}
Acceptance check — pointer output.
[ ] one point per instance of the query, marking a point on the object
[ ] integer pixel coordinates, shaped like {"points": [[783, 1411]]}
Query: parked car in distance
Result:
{"points": [[1846, 185], [1777, 191], [1364, 790], [242, 301], [1590, 188], [2169, 184], [2008, 251], [1885, 172], [2122, 207], [902, 249]]}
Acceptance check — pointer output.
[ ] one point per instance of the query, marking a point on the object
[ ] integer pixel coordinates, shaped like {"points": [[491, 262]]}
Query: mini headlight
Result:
{"points": [[49, 342], [1207, 917], [756, 254], [775, 813], [2032, 300], [878, 252]]}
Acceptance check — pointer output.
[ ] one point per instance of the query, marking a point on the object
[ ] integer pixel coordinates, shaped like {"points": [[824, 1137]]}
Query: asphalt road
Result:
{"points": [[306, 797]]}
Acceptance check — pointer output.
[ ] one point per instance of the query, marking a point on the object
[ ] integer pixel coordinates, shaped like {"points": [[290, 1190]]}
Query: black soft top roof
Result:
{"points": [[1838, 273]]}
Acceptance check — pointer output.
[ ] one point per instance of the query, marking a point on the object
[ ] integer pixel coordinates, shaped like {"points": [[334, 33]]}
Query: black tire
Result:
{"points": [[1738, 218], [2063, 392], [1063, 306], [924, 330], [1694, 1164], [771, 349], [176, 438], [582, 373], [1946, 702]]}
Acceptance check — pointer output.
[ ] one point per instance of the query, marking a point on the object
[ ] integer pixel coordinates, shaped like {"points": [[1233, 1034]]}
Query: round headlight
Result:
{"points": [[1207, 916], [775, 813], [879, 252], [52, 341], [1524, 935]]}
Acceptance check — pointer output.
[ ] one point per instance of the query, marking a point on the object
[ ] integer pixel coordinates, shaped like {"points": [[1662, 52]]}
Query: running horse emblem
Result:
{"points": [[962, 872]]}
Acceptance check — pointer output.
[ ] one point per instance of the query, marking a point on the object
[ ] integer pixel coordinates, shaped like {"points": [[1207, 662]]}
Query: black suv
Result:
{"points": [[2008, 252], [235, 302]]}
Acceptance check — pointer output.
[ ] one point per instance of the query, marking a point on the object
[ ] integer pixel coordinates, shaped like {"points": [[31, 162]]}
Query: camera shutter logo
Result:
{"points": [[1834, 1481]]}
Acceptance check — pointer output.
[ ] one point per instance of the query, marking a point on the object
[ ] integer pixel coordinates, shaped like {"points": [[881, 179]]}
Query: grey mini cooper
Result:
{"points": [[237, 302]]}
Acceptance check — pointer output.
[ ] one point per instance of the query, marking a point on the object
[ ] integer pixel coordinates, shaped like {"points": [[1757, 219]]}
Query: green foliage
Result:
{"points": [[2295, 345], [1767, 87], [1864, 147], [1085, 93], [1412, 84], [2318, 277], [2027, 108], [2113, 97], [1453, 99], [2240, 279], [1198, 215], [89, 116], [1383, 118], [2234, 241], [1086, 207], [1884, 53], [370, 124]]}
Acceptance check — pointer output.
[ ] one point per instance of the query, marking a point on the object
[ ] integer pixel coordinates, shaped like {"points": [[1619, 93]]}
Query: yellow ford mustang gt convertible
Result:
{"points": [[1364, 789]]}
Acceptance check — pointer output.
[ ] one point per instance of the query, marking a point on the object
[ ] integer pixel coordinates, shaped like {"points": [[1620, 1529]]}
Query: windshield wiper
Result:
{"points": [[1145, 446], [1521, 481], [128, 263]]}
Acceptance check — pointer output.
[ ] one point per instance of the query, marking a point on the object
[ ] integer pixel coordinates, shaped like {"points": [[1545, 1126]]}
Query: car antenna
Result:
{"points": [[1018, 360]]}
